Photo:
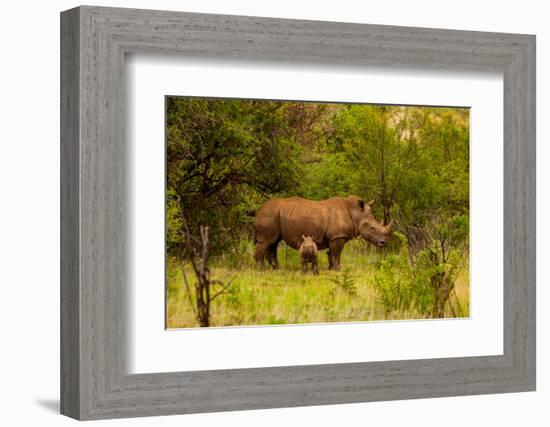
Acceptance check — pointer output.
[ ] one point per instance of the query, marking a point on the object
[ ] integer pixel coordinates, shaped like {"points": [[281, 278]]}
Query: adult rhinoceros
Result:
{"points": [[333, 222]]}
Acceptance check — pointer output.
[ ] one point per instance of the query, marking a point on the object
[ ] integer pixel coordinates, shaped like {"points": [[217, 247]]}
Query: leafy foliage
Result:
{"points": [[421, 278], [222, 157], [345, 282]]}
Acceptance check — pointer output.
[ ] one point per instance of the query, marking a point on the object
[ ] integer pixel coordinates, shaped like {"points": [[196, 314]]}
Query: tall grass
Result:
{"points": [[287, 296]]}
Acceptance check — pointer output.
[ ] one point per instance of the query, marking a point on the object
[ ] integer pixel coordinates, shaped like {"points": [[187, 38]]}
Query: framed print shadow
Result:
{"points": [[332, 211]]}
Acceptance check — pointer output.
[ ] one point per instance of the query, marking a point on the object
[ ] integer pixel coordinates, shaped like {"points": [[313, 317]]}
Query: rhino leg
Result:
{"points": [[266, 235], [260, 254], [272, 255], [304, 265], [315, 266], [329, 256], [335, 249]]}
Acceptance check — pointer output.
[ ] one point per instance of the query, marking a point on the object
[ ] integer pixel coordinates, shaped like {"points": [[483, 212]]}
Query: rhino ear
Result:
{"points": [[361, 203], [303, 237], [370, 203]]}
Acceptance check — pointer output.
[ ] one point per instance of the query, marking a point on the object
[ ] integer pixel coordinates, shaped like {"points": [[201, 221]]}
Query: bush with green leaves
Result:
{"points": [[422, 279], [224, 157], [345, 281]]}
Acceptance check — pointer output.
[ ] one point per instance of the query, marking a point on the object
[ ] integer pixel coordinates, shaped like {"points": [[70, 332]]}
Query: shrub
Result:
{"points": [[345, 282], [422, 278]]}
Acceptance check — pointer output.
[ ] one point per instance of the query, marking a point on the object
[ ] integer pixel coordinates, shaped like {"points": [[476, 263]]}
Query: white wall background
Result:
{"points": [[29, 214]]}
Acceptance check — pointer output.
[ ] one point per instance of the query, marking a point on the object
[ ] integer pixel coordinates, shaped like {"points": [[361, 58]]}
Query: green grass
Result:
{"points": [[287, 296]]}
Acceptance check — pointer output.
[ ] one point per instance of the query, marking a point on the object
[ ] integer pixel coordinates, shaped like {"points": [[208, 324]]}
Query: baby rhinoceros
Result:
{"points": [[308, 254]]}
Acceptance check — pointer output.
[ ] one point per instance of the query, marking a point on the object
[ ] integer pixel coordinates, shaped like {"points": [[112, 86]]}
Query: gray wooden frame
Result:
{"points": [[94, 382]]}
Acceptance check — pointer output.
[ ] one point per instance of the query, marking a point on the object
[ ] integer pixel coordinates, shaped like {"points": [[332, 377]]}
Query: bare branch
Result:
{"points": [[221, 291], [198, 252]]}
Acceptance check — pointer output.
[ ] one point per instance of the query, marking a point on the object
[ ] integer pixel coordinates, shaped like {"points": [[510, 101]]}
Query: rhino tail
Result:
{"points": [[251, 212]]}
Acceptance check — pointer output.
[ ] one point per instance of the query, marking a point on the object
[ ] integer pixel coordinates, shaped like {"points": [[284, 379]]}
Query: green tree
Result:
{"points": [[223, 156]]}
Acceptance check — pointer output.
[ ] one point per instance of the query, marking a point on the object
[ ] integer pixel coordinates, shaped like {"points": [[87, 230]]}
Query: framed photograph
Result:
{"points": [[261, 213]]}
